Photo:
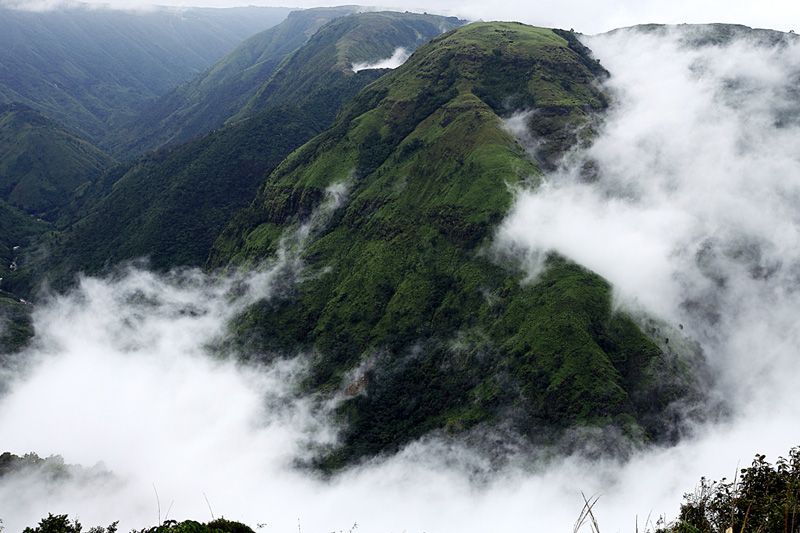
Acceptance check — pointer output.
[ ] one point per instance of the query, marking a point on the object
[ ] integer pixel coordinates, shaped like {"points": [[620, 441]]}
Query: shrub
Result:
{"points": [[763, 499]]}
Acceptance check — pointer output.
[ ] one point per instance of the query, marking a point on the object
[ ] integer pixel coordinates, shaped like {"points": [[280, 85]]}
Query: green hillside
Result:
{"points": [[172, 204], [16, 326], [414, 321], [206, 101], [41, 162], [318, 72], [274, 67], [91, 68]]}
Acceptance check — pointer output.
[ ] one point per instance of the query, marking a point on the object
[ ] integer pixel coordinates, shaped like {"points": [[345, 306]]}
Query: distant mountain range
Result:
{"points": [[92, 68]]}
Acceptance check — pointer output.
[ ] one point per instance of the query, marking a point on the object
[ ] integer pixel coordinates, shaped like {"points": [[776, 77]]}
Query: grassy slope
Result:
{"points": [[405, 287], [41, 162], [90, 68], [206, 101]]}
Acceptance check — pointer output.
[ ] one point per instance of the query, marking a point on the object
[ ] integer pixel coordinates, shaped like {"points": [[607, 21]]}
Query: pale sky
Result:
{"points": [[583, 15]]}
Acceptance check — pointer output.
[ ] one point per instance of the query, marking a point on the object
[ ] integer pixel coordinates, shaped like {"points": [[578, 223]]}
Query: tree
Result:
{"points": [[763, 499]]}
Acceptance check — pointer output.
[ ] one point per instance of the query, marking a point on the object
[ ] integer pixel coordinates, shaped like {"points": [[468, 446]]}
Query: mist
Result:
{"points": [[691, 213], [399, 57]]}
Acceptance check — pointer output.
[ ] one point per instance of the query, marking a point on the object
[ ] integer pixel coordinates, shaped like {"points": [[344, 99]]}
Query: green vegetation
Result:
{"points": [[403, 298], [16, 327], [62, 524], [41, 162], [303, 61], [209, 99], [218, 525], [193, 189], [319, 73], [764, 499], [413, 319]]}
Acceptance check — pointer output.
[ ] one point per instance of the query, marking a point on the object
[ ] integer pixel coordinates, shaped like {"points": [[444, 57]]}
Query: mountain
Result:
{"points": [[42, 162], [381, 223], [699, 35], [172, 204], [317, 72], [90, 68], [416, 322], [274, 67]]}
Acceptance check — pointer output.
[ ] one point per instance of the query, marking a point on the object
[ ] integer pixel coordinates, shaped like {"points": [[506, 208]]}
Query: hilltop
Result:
{"points": [[415, 322]]}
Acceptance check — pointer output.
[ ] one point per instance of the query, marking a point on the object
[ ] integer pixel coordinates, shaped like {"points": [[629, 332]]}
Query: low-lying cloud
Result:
{"points": [[399, 57], [693, 216]]}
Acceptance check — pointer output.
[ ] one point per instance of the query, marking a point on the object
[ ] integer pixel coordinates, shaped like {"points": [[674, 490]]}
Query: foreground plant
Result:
{"points": [[763, 499]]}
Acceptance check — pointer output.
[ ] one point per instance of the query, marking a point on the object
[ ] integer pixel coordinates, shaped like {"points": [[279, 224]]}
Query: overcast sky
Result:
{"points": [[583, 15]]}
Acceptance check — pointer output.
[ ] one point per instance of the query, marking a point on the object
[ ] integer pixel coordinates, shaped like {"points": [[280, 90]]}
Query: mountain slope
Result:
{"points": [[278, 67], [415, 323], [42, 163], [325, 64], [89, 68], [172, 204], [206, 101]]}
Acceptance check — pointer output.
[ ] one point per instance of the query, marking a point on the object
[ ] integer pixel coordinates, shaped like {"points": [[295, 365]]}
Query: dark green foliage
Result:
{"points": [[219, 525], [41, 162], [764, 498], [60, 524], [583, 52], [91, 68], [170, 206], [558, 86], [279, 67], [17, 229], [504, 82]]}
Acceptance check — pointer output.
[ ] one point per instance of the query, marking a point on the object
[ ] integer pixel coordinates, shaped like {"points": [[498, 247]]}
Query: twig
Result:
{"points": [[158, 503], [209, 506]]}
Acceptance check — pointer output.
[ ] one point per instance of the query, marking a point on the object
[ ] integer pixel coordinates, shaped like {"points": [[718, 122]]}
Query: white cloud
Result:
{"points": [[399, 57], [693, 218]]}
